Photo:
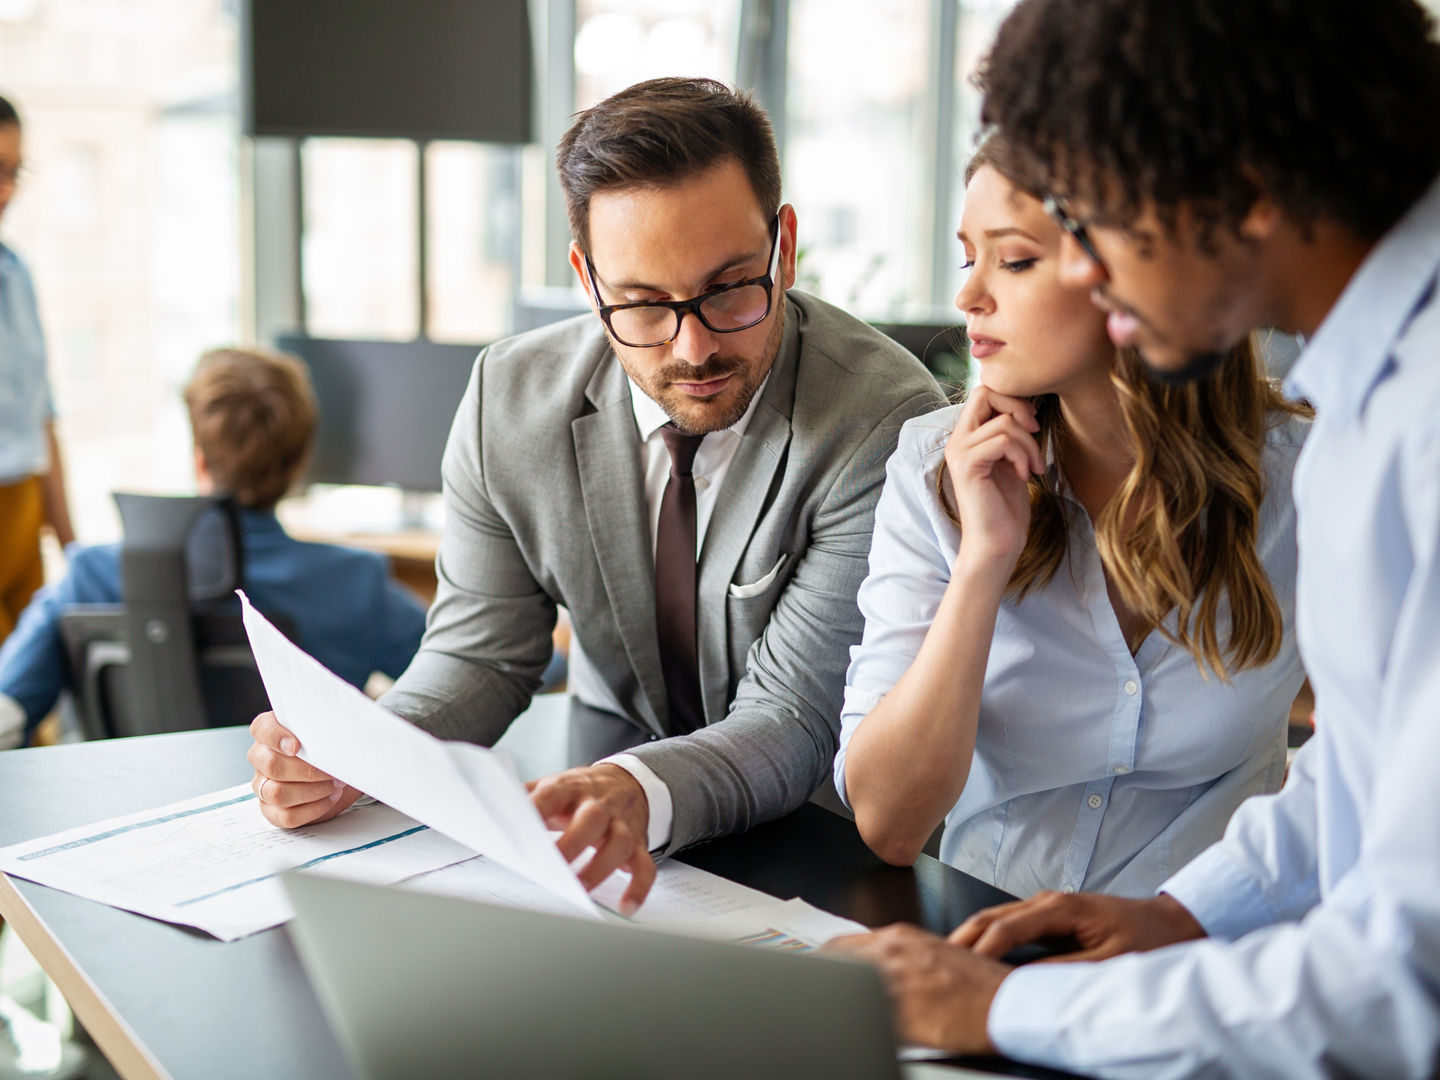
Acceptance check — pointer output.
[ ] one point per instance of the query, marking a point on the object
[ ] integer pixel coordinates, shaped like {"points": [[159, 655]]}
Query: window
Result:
{"points": [[978, 22], [473, 240], [129, 222], [855, 159], [619, 42], [359, 250]]}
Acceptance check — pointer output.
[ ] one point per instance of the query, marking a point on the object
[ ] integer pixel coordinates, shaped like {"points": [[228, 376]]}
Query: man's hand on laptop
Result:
{"points": [[604, 807], [292, 792], [1100, 926], [941, 992]]}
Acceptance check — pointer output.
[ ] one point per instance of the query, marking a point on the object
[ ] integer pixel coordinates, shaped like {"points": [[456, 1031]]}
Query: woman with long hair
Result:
{"points": [[1079, 647]]}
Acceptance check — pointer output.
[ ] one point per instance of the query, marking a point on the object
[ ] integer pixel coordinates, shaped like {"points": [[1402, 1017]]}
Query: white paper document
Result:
{"points": [[467, 792], [214, 862], [684, 900]]}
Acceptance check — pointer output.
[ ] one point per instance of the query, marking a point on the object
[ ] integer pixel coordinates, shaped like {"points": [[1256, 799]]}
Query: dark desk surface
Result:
{"points": [[162, 1000]]}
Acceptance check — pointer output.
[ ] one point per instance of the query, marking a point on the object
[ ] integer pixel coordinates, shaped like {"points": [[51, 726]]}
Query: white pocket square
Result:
{"points": [[755, 588]]}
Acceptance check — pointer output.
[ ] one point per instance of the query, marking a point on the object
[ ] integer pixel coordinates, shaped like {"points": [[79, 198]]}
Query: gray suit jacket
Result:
{"points": [[545, 505]]}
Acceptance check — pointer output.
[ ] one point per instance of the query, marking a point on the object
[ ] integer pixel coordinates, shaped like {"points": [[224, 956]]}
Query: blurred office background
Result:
{"points": [[154, 229]]}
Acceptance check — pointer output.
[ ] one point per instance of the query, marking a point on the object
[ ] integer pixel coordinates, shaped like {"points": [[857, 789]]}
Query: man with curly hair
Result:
{"points": [[1221, 166]]}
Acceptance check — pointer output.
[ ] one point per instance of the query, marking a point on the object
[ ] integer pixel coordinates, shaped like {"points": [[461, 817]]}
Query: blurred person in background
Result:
{"points": [[253, 418], [32, 478]]}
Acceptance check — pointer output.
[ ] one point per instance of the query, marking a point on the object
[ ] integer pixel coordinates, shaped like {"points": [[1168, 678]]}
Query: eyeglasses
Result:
{"points": [[1072, 225], [723, 310]]}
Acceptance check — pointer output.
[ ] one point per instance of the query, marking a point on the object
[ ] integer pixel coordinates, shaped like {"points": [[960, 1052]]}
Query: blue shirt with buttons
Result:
{"points": [[25, 400], [1093, 769]]}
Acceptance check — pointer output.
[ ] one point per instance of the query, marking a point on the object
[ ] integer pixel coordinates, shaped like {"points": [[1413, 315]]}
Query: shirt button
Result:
{"points": [[1131, 686], [701, 483], [1068, 889], [1120, 770], [1094, 802]]}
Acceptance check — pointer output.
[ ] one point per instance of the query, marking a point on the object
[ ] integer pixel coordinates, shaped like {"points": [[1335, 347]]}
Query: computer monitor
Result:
{"points": [[385, 408], [426, 69]]}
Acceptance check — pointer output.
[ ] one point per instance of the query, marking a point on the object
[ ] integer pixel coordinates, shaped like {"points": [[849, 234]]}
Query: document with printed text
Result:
{"points": [[467, 792], [214, 862]]}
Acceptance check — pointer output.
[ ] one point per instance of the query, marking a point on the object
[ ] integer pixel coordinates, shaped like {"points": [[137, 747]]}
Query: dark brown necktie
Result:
{"points": [[675, 583]]}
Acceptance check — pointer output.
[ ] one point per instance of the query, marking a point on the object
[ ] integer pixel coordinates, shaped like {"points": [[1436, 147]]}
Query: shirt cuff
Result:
{"points": [[657, 794], [12, 723], [1221, 894], [1022, 1024]]}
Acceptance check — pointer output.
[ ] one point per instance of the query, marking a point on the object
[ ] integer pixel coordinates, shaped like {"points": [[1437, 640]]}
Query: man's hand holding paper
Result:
{"points": [[466, 792], [291, 791], [601, 807]]}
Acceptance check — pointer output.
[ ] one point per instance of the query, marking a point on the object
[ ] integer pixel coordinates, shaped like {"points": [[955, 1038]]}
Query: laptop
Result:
{"points": [[417, 985]]}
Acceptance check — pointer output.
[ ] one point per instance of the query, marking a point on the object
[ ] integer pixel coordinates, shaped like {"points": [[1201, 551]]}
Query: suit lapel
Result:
{"points": [[608, 457], [737, 511]]}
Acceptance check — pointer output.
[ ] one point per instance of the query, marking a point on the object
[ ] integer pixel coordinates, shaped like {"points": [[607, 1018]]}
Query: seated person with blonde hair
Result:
{"points": [[253, 416]]}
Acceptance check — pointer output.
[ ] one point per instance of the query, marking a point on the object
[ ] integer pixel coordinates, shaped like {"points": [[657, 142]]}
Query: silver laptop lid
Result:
{"points": [[418, 985]]}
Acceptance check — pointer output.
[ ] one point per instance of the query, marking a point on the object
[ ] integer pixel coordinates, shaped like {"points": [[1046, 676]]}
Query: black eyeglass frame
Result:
{"points": [[1060, 213], [680, 307]]}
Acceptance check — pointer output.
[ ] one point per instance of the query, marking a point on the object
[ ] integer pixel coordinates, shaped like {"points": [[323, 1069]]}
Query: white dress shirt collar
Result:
{"points": [[1351, 350]]}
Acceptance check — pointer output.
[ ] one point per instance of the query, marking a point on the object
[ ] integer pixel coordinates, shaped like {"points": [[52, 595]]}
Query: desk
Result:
{"points": [[162, 1000], [411, 550]]}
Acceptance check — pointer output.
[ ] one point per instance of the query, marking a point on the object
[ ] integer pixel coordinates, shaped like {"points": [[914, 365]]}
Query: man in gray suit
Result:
{"points": [[693, 475]]}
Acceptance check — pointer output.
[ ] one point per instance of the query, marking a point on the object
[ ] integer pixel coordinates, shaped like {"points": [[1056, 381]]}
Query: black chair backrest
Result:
{"points": [[105, 690], [173, 656]]}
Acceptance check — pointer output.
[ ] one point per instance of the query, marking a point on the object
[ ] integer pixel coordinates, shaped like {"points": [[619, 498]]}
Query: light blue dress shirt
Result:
{"points": [[1093, 769], [1322, 902], [25, 401]]}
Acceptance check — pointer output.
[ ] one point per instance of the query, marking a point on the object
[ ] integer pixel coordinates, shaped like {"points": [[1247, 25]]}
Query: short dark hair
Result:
{"points": [[253, 414], [662, 131], [8, 114], [1124, 103]]}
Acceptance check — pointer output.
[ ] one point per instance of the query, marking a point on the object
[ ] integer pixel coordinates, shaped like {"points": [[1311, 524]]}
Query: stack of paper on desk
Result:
{"points": [[213, 862], [684, 900]]}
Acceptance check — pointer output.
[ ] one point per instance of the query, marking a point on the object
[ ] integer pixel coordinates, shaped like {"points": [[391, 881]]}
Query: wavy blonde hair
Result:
{"points": [[1194, 493]]}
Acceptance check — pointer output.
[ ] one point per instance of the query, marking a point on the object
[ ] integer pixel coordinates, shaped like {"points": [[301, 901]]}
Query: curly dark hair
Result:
{"points": [[1330, 106]]}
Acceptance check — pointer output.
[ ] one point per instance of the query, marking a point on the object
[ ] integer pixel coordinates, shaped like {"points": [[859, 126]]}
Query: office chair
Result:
{"points": [[174, 655]]}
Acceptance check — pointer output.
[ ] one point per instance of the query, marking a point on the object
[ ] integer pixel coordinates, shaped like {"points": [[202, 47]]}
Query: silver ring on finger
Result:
{"points": [[260, 793]]}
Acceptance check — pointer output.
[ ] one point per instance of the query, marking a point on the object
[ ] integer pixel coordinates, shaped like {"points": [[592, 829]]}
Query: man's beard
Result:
{"points": [[1197, 367], [750, 376]]}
